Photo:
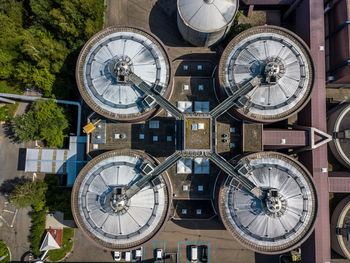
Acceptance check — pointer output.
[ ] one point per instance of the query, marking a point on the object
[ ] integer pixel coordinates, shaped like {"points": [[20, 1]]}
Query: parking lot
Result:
{"points": [[181, 255]]}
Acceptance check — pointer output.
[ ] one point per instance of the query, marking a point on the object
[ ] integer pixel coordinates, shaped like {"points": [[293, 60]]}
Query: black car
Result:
{"points": [[204, 253]]}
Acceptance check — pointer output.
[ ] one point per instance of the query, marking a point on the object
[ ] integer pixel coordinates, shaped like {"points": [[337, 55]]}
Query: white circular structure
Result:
{"points": [[339, 126], [103, 66], [205, 22], [282, 61], [118, 224], [284, 217]]}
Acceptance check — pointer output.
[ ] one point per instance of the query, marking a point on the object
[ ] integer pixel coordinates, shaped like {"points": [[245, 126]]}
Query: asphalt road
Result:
{"points": [[16, 237]]}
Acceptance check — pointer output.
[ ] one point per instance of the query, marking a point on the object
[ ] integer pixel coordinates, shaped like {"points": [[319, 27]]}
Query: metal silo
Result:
{"points": [[284, 217], [282, 62], [103, 67], [205, 22], [339, 127], [110, 221]]}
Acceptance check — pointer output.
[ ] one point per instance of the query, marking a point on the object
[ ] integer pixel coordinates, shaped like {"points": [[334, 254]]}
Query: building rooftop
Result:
{"points": [[197, 133]]}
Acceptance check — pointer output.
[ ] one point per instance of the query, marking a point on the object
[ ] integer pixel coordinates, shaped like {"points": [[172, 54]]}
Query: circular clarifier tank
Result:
{"points": [[339, 127], [340, 226], [283, 218], [284, 65], [115, 223], [103, 67]]}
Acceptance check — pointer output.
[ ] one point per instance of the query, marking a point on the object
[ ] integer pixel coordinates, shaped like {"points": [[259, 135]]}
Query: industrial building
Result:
{"points": [[229, 134]]}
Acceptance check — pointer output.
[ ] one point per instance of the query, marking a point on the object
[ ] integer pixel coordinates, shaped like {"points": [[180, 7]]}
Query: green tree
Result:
{"points": [[25, 127], [29, 194], [44, 121]]}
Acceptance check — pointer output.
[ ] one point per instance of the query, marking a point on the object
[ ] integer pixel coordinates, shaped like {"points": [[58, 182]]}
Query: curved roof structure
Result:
{"points": [[113, 223], [103, 66], [207, 15], [280, 221], [283, 62], [339, 126], [340, 226]]}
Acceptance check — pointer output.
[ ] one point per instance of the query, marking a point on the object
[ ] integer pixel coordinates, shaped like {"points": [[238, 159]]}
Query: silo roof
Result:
{"points": [[103, 54], [142, 215], [251, 53], [207, 15], [253, 223]]}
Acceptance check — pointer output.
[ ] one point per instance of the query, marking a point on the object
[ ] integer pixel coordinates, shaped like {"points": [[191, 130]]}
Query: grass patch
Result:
{"points": [[58, 254], [4, 251], [8, 111]]}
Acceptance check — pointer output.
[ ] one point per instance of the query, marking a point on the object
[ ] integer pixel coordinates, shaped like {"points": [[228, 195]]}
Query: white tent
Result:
{"points": [[49, 243]]}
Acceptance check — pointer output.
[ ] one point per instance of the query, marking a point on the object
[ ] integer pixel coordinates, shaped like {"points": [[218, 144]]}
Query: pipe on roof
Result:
{"points": [[7, 100], [32, 98]]}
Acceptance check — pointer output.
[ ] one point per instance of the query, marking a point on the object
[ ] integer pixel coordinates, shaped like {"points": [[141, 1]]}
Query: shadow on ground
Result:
{"points": [[7, 187], [163, 15], [8, 131]]}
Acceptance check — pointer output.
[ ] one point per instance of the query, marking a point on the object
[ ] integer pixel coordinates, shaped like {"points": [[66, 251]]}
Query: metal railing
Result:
{"points": [[158, 98]]}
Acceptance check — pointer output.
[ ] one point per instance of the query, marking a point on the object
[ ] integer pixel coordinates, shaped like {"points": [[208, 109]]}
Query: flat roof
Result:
{"points": [[195, 136]]}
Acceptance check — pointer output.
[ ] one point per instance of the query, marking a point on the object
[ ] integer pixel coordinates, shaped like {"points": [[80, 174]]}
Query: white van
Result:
{"points": [[127, 256], [194, 254], [159, 254]]}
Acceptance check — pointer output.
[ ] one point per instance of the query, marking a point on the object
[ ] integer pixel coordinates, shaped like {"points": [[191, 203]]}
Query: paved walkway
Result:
{"points": [[55, 220]]}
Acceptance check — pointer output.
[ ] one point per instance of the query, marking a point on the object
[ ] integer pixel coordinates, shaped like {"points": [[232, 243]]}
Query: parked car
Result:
{"points": [[204, 253], [127, 256], [117, 255], [194, 254], [138, 253], [159, 254]]}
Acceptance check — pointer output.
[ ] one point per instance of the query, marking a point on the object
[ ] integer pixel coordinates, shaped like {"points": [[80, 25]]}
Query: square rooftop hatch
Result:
{"points": [[197, 133]]}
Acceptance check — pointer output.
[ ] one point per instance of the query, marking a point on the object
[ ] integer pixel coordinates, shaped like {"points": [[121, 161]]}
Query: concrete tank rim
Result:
{"points": [[75, 209], [238, 237], [80, 82], [285, 32], [206, 31]]}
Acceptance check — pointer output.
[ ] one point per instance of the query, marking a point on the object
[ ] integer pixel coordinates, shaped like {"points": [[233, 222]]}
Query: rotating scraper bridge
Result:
{"points": [[237, 173]]}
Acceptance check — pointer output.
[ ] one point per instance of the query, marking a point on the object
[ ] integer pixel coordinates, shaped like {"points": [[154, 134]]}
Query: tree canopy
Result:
{"points": [[44, 121], [29, 194], [40, 41]]}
